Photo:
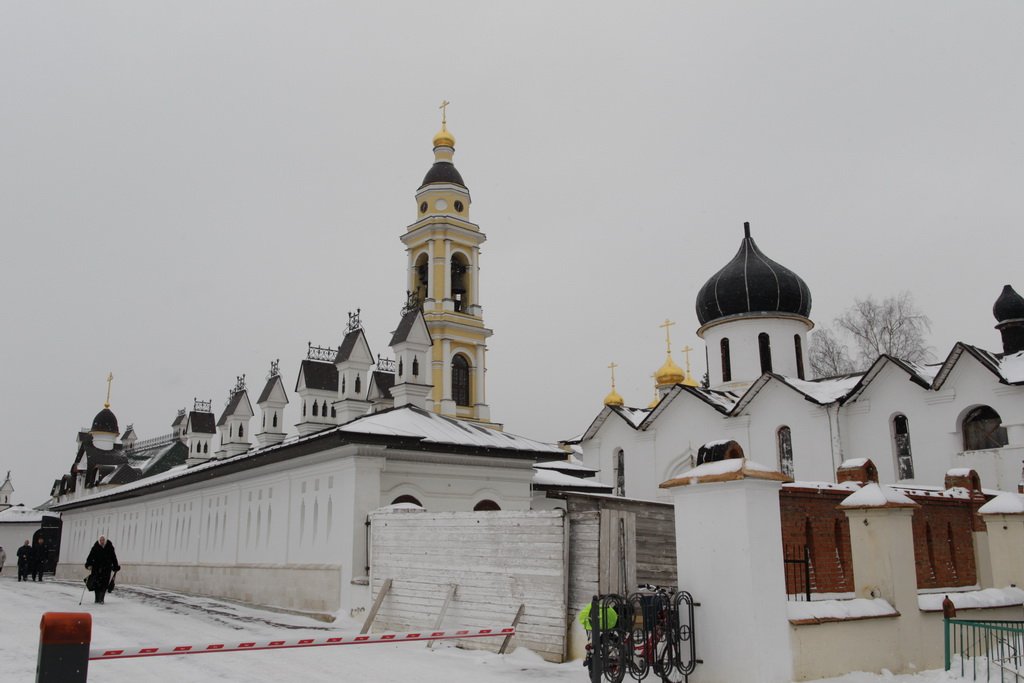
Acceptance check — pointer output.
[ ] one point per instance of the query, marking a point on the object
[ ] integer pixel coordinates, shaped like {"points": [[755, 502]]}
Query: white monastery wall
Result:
{"points": [[12, 536], [290, 534]]}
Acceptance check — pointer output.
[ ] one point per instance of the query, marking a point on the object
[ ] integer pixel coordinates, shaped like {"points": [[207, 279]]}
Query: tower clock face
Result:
{"points": [[440, 205]]}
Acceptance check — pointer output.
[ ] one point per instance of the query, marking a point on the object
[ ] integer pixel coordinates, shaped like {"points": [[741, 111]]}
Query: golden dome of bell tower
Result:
{"points": [[613, 398]]}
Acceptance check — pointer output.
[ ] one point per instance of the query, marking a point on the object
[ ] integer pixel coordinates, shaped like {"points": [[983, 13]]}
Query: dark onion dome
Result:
{"points": [[105, 422], [1009, 305], [752, 283], [443, 172]]}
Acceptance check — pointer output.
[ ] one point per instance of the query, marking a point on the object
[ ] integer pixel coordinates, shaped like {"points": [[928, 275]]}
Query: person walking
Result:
{"points": [[102, 561], [40, 555], [3, 559], [24, 559]]}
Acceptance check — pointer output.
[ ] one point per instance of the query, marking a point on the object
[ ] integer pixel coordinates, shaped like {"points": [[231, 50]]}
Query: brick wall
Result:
{"points": [[943, 544]]}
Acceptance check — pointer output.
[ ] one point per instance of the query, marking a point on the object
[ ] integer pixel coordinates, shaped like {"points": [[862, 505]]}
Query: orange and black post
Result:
{"points": [[64, 639]]}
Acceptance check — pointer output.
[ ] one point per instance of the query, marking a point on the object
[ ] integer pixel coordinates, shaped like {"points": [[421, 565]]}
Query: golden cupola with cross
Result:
{"points": [[443, 250], [670, 374]]}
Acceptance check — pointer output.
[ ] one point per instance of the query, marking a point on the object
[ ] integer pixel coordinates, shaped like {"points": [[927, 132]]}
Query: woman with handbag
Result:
{"points": [[102, 561]]}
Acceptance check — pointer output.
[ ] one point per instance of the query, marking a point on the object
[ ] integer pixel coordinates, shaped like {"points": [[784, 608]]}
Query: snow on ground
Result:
{"points": [[144, 616]]}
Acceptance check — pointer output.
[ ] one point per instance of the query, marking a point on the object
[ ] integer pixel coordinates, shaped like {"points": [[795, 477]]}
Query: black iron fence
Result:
{"points": [[641, 635], [797, 563]]}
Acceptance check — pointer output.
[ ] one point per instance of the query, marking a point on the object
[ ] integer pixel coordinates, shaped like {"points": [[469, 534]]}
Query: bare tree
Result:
{"points": [[892, 326], [828, 355]]}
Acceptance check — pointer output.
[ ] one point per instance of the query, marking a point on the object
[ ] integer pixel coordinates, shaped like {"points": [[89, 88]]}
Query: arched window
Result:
{"points": [[415, 366], [460, 280], [303, 409], [901, 447], [400, 367], [241, 431], [983, 429], [275, 418], [264, 424], [316, 409], [726, 361], [486, 506], [406, 499], [231, 430], [798, 346], [784, 446], [206, 447], [343, 384], [460, 380], [764, 346], [359, 385], [334, 412], [323, 411], [620, 472]]}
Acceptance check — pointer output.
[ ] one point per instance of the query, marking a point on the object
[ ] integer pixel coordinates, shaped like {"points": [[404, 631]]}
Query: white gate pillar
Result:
{"points": [[729, 555]]}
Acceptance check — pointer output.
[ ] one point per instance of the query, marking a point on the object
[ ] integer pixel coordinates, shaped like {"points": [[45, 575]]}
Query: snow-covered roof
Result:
{"points": [[23, 515], [406, 422], [1012, 367], [823, 391], [429, 427], [1009, 369], [573, 465], [847, 486], [553, 478]]}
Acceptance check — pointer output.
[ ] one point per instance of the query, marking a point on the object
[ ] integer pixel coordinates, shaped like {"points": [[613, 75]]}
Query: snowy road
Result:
{"points": [[141, 616]]}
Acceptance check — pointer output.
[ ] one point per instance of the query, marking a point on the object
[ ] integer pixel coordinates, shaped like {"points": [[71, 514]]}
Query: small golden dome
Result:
{"points": [[654, 404], [613, 399], [444, 138], [669, 373]]}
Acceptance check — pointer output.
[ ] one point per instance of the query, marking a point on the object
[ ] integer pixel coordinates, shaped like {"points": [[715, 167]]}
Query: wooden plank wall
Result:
{"points": [[652, 555], [498, 560]]}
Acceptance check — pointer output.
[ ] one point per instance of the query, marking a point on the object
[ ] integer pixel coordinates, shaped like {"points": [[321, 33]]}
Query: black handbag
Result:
{"points": [[110, 586]]}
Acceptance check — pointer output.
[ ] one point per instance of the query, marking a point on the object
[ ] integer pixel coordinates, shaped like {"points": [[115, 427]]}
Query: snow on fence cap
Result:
{"points": [[853, 463], [402, 507], [877, 496], [1004, 504], [732, 469]]}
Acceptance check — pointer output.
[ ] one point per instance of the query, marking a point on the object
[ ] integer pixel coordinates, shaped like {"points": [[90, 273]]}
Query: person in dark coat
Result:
{"points": [[40, 555], [24, 560], [102, 561]]}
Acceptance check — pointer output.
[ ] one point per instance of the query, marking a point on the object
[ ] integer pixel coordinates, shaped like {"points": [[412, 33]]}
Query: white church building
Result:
{"points": [[915, 422]]}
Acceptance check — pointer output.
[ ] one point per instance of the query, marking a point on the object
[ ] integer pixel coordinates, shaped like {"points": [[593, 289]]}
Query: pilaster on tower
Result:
{"points": [[443, 250]]}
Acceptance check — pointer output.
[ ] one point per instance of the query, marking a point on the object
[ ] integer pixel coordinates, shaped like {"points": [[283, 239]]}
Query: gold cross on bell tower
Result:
{"points": [[110, 380], [444, 112], [612, 366]]}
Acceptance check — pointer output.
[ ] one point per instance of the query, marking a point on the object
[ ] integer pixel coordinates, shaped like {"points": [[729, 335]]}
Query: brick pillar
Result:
{"points": [[729, 554]]}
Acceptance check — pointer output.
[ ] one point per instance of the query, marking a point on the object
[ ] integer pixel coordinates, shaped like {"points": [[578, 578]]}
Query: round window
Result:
{"points": [[459, 207], [423, 207], [440, 205]]}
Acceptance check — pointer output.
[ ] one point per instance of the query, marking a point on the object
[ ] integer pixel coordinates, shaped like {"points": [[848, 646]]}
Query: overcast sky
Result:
{"points": [[189, 190]]}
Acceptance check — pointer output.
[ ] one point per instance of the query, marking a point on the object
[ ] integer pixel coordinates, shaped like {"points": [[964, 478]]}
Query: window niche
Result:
{"points": [[901, 447], [982, 430], [784, 446]]}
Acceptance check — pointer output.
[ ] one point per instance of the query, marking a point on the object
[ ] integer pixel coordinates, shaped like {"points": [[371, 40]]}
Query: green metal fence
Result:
{"points": [[987, 650]]}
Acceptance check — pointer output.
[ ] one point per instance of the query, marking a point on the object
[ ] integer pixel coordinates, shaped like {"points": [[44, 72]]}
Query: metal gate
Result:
{"points": [[646, 634]]}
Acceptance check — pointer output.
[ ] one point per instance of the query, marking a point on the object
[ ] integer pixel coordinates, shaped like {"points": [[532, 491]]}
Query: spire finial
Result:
{"points": [[612, 366], [668, 339], [746, 229], [444, 114], [110, 380]]}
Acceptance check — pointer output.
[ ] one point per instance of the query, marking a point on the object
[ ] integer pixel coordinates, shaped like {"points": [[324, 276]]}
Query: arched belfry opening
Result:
{"points": [[460, 281], [421, 278]]}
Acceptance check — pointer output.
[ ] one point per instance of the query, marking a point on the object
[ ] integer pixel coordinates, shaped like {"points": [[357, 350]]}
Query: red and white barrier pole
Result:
{"points": [[64, 639], [345, 639]]}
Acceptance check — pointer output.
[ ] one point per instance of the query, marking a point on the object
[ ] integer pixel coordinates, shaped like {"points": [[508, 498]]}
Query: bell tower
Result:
{"points": [[443, 249]]}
